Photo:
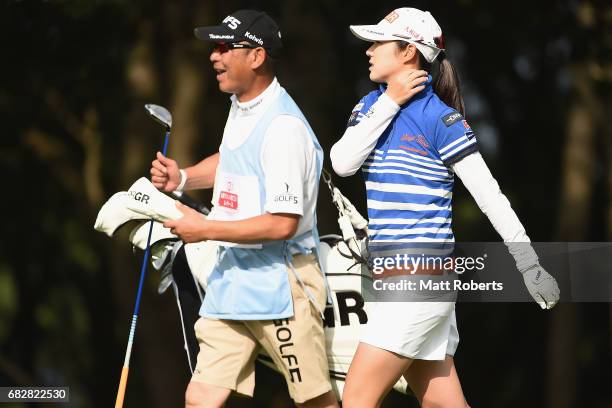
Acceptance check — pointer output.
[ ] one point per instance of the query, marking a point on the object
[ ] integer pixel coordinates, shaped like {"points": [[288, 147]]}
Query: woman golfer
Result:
{"points": [[410, 138]]}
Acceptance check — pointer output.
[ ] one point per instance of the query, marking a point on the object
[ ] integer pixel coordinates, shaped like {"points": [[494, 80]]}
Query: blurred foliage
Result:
{"points": [[75, 75]]}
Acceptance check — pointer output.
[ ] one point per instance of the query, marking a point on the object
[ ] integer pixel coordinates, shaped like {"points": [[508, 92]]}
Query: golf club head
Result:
{"points": [[160, 114]]}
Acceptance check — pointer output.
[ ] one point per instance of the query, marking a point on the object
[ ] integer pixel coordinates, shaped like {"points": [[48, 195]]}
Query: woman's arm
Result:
{"points": [[363, 131], [477, 178], [348, 154]]}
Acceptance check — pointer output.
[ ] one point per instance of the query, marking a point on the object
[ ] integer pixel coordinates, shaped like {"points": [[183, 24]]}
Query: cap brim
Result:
{"points": [[218, 33], [371, 33], [375, 33]]}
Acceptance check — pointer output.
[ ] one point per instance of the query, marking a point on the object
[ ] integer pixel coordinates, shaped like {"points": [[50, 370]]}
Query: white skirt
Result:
{"points": [[418, 330]]}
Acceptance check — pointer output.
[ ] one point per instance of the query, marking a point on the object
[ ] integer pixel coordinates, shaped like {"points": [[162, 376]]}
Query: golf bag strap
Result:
{"points": [[349, 219], [307, 291], [185, 344]]}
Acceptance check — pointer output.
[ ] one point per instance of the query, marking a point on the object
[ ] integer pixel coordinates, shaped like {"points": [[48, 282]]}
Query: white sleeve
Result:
{"points": [[477, 178], [348, 154], [284, 158]]}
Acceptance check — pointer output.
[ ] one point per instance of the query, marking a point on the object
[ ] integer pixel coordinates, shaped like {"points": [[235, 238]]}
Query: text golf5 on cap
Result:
{"points": [[406, 24]]}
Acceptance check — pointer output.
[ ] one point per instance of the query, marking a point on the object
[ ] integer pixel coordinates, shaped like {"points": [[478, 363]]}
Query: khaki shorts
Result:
{"points": [[228, 348]]}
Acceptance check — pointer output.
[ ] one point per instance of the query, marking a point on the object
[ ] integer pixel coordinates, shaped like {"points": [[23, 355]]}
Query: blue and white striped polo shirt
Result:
{"points": [[408, 178]]}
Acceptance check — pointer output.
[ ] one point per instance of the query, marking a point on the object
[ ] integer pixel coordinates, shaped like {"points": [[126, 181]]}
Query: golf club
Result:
{"points": [[164, 117], [160, 114]]}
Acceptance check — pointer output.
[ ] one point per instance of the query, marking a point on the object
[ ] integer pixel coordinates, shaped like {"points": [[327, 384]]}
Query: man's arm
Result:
{"points": [[202, 175], [192, 227], [265, 227], [286, 158]]}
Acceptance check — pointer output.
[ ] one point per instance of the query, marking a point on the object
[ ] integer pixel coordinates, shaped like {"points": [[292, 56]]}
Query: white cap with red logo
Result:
{"points": [[406, 24]]}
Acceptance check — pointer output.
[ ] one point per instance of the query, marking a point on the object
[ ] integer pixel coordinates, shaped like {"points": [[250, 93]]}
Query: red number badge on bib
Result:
{"points": [[227, 199]]}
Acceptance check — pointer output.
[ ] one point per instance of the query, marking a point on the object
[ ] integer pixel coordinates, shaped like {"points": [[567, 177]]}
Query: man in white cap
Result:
{"points": [[266, 290]]}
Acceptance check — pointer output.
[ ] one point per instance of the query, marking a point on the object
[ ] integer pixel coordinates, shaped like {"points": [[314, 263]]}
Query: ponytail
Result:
{"points": [[445, 81], [446, 84]]}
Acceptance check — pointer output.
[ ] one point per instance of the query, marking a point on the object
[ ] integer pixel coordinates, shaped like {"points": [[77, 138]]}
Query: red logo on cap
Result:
{"points": [[392, 16], [414, 34]]}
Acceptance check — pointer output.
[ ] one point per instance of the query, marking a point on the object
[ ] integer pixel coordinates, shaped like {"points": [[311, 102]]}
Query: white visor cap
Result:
{"points": [[406, 24]]}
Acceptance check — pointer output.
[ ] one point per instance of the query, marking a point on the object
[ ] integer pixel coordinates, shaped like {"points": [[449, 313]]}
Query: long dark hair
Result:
{"points": [[446, 83]]}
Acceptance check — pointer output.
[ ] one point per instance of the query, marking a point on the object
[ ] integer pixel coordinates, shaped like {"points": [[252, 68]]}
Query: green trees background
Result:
{"points": [[76, 74]]}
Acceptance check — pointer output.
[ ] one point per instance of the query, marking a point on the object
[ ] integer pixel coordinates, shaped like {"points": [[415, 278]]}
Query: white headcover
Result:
{"points": [[142, 201], [114, 213], [149, 201], [140, 234]]}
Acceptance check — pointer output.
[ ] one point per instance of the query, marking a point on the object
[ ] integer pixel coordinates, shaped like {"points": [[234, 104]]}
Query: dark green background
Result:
{"points": [[76, 74]]}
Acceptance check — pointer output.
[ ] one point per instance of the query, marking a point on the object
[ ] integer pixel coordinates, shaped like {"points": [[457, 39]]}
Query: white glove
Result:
{"points": [[541, 286]]}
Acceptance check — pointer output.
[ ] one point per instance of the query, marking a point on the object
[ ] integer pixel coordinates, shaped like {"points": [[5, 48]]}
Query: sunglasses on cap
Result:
{"points": [[222, 47]]}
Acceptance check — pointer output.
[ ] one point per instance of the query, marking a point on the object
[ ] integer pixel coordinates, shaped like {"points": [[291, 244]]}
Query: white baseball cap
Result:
{"points": [[406, 24]]}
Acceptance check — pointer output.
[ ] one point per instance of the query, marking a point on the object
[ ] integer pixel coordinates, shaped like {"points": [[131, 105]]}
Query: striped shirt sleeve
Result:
{"points": [[358, 112], [361, 135], [454, 138]]}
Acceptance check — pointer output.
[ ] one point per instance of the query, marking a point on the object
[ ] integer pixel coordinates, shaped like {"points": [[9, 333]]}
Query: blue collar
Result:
{"points": [[428, 86]]}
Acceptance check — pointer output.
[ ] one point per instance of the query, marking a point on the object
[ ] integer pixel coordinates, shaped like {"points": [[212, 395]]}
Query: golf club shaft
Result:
{"points": [[190, 202], [143, 272]]}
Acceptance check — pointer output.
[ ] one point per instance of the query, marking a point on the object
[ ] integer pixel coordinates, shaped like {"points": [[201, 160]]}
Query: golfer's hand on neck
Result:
{"points": [[165, 174], [404, 85]]}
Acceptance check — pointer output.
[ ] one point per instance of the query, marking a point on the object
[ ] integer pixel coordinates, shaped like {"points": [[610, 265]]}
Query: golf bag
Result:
{"points": [[186, 267]]}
